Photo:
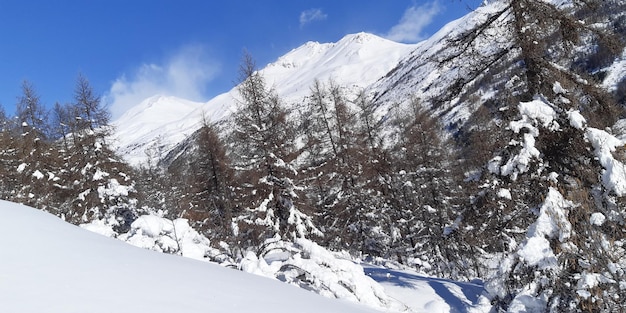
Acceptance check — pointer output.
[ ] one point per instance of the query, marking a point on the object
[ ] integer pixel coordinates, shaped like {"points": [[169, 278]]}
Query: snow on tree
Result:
{"points": [[346, 168], [542, 118], [95, 184], [262, 147], [422, 187], [207, 173], [310, 266], [37, 169]]}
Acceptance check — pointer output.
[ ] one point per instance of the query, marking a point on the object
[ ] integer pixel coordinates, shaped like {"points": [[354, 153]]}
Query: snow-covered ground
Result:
{"points": [[50, 266], [390, 288], [423, 294]]}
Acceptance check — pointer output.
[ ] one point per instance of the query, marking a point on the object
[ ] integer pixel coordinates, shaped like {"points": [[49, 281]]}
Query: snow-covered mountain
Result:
{"points": [[533, 182], [457, 69], [150, 129], [423, 73]]}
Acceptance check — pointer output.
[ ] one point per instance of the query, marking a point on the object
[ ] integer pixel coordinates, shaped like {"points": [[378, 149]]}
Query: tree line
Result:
{"points": [[60, 160], [328, 170], [324, 170]]}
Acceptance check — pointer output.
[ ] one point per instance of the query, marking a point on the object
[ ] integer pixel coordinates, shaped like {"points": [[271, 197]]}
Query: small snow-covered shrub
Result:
{"points": [[306, 264], [163, 235]]}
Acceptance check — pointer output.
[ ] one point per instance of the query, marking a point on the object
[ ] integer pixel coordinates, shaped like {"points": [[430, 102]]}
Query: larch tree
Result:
{"points": [[422, 190], [549, 109], [9, 158], [210, 176], [37, 168], [97, 184], [344, 164], [262, 148]]}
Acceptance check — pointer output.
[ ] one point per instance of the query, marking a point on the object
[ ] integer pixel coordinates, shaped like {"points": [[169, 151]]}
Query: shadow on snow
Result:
{"points": [[443, 288]]}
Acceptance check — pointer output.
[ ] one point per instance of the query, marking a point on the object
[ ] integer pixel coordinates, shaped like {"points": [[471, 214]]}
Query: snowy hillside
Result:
{"points": [[491, 156], [149, 129], [451, 72], [51, 266], [423, 74]]}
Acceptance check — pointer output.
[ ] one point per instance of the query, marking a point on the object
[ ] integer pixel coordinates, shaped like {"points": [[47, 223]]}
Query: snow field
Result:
{"points": [[51, 266]]}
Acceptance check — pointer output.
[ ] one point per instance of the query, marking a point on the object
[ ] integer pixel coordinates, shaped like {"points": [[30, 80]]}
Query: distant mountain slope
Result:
{"points": [[423, 73], [462, 66], [437, 71], [149, 130], [52, 266]]}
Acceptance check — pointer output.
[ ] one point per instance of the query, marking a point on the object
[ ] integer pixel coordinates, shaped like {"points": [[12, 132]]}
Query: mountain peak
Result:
{"points": [[356, 61], [361, 37]]}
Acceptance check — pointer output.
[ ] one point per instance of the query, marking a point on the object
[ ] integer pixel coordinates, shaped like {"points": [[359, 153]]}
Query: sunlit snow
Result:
{"points": [[51, 266], [151, 128]]}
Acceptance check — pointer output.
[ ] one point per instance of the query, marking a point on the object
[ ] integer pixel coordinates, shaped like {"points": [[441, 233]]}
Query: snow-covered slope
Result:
{"points": [[151, 128], [422, 74], [48, 265], [445, 70]]}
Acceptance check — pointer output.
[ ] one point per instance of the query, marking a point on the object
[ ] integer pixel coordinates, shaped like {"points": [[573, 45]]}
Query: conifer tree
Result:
{"points": [[210, 177], [262, 148], [345, 165], [9, 159], [545, 160], [97, 185], [37, 168], [422, 190]]}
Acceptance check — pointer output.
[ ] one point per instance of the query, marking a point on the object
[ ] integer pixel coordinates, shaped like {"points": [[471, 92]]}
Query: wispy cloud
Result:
{"points": [[414, 20], [311, 15], [184, 74]]}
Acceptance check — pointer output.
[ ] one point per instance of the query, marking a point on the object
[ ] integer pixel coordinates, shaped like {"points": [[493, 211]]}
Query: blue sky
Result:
{"points": [[132, 49]]}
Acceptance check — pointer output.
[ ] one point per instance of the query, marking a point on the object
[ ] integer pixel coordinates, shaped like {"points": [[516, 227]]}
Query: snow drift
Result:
{"points": [[51, 266]]}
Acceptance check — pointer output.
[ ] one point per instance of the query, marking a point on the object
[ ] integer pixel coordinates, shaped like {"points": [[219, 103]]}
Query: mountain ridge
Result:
{"points": [[150, 129]]}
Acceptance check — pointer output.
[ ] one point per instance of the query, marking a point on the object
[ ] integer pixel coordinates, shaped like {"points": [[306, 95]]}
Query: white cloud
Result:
{"points": [[185, 74], [311, 15], [413, 22]]}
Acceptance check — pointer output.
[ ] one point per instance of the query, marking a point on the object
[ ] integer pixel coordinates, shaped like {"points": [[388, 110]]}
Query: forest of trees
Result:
{"points": [[393, 185], [59, 160]]}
